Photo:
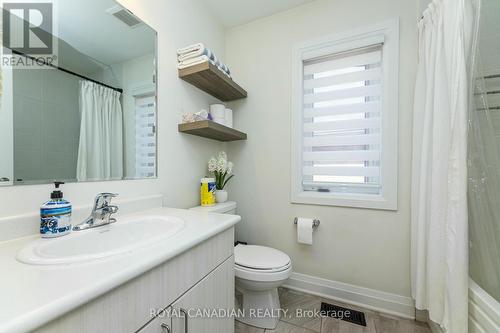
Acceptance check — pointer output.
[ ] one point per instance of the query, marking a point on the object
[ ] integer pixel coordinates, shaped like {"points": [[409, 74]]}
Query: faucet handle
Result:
{"points": [[104, 199]]}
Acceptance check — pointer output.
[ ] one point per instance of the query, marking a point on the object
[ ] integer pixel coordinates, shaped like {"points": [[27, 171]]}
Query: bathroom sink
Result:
{"points": [[126, 235]]}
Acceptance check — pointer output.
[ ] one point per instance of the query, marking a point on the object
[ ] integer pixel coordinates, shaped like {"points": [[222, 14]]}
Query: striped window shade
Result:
{"points": [[341, 133], [145, 137]]}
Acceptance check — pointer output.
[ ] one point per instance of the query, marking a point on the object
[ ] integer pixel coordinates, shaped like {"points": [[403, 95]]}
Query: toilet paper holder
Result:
{"points": [[315, 222]]}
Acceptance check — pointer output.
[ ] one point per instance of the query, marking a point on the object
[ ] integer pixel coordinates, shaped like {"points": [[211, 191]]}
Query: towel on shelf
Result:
{"points": [[225, 69], [193, 61], [198, 53], [209, 54], [191, 48], [221, 65]]}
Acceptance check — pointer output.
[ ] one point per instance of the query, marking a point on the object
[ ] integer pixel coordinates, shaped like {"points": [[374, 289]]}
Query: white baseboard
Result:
{"points": [[484, 311], [435, 328], [423, 316], [401, 306]]}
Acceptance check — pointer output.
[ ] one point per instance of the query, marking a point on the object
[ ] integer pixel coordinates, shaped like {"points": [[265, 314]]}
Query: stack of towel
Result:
{"points": [[196, 54]]}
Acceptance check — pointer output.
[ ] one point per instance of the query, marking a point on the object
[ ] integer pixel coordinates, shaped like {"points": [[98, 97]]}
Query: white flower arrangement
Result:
{"points": [[221, 168]]}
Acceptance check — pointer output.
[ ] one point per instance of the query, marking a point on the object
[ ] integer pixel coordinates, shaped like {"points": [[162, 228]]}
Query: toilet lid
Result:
{"points": [[260, 257]]}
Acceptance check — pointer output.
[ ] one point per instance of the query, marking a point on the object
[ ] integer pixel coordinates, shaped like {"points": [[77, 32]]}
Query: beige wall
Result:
{"points": [[369, 248], [182, 158]]}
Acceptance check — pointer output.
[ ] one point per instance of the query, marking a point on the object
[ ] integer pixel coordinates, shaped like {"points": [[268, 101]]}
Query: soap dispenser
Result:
{"points": [[55, 215]]}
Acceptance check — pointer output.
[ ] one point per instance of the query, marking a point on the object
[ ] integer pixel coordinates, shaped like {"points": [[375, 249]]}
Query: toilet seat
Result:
{"points": [[260, 257], [261, 263], [263, 275], [270, 270]]}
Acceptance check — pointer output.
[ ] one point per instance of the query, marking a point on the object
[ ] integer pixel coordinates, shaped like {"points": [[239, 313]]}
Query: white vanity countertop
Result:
{"points": [[32, 295]]}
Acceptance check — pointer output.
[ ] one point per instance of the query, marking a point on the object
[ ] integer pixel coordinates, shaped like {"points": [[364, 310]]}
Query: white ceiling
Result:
{"points": [[236, 12]]}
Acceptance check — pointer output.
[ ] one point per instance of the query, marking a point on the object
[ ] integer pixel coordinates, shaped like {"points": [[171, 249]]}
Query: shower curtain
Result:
{"points": [[100, 153], [439, 178]]}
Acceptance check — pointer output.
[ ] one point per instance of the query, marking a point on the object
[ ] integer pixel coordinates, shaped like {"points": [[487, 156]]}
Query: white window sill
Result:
{"points": [[368, 201]]}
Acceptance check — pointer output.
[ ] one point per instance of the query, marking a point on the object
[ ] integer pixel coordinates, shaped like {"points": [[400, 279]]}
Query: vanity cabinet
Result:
{"points": [[205, 308], [161, 324], [199, 278]]}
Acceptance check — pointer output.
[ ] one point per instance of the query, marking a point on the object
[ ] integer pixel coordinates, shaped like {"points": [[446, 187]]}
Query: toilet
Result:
{"points": [[259, 271]]}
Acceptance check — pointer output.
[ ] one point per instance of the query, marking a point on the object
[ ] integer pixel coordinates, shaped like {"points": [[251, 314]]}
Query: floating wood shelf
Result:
{"points": [[212, 130], [212, 80]]}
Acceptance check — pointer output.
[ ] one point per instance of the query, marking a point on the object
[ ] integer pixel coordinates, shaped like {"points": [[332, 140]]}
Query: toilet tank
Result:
{"points": [[228, 207]]}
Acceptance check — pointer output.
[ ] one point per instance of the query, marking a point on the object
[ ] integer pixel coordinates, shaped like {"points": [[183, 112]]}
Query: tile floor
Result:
{"points": [[293, 301]]}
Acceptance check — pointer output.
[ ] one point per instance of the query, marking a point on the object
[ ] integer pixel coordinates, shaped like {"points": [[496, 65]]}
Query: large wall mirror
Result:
{"points": [[90, 115]]}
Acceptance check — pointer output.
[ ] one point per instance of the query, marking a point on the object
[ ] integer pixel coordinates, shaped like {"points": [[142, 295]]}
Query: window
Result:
{"points": [[344, 123], [145, 137]]}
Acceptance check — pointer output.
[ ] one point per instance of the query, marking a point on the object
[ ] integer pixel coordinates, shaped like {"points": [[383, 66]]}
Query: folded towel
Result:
{"points": [[197, 50], [220, 65], [224, 72], [197, 53], [191, 48], [193, 61], [225, 68]]}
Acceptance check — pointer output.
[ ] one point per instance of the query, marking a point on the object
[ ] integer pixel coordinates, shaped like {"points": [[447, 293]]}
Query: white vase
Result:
{"points": [[221, 196]]}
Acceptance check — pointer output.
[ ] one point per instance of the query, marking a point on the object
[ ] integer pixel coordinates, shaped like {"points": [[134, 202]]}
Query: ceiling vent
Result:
{"points": [[125, 16]]}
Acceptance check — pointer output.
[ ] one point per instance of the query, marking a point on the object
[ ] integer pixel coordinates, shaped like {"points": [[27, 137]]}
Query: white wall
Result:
{"points": [[182, 158], [368, 248]]}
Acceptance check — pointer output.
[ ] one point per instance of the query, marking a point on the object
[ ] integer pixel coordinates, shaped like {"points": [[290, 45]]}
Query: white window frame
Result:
{"points": [[388, 33]]}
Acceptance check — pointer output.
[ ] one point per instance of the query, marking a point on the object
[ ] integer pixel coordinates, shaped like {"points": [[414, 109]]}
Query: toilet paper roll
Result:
{"points": [[305, 230], [229, 118], [218, 111]]}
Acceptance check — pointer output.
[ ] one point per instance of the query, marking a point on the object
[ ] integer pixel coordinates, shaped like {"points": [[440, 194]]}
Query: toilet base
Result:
{"points": [[259, 308]]}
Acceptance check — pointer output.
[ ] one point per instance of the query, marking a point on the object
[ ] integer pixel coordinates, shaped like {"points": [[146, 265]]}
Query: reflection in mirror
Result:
{"points": [[91, 116]]}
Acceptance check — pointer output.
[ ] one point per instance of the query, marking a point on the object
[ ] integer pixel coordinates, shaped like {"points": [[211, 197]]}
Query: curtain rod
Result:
{"points": [[493, 76], [69, 72], [493, 92], [490, 108]]}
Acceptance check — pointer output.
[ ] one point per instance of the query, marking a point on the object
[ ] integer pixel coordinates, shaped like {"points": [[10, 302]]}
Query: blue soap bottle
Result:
{"points": [[55, 215]]}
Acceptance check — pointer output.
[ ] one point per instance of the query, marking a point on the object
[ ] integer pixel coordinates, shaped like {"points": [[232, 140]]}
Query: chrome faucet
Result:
{"points": [[101, 213]]}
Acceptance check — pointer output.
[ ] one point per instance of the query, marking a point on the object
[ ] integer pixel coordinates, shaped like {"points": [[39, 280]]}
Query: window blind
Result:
{"points": [[342, 122], [145, 137]]}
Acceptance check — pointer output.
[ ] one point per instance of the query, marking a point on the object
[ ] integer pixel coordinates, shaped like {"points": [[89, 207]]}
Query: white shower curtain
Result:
{"points": [[100, 153], [439, 177]]}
